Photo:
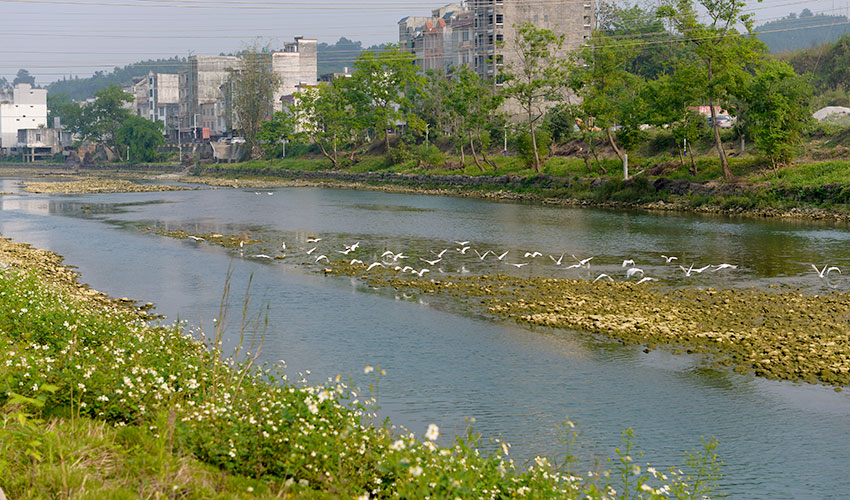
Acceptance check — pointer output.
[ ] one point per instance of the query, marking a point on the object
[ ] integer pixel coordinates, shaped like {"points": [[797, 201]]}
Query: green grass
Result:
{"points": [[96, 403], [807, 174]]}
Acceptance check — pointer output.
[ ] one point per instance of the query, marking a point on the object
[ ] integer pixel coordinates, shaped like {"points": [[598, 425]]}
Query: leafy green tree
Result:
{"points": [[535, 80], [99, 121], [606, 89], [475, 106], [141, 138], [326, 118], [386, 81], [23, 76], [61, 106], [777, 111], [254, 84], [720, 55], [639, 27], [280, 126], [670, 100]]}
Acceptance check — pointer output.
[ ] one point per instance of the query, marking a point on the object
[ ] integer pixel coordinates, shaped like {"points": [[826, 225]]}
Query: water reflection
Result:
{"points": [[777, 440]]}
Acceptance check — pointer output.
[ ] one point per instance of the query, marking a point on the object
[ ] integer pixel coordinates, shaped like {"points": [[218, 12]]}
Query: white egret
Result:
{"points": [[669, 259], [323, 256], [583, 262], [645, 280], [517, 265], [311, 250], [632, 271], [431, 262], [603, 275], [421, 272], [355, 261], [481, 256], [462, 243], [628, 262], [313, 239], [463, 250], [724, 266], [823, 273], [374, 265], [197, 238], [533, 254], [261, 256], [502, 257], [557, 262]]}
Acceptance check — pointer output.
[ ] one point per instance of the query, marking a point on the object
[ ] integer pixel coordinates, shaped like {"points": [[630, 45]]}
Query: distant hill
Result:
{"points": [[80, 89], [335, 58], [803, 31]]}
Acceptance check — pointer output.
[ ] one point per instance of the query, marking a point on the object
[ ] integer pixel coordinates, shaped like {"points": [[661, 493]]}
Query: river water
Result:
{"points": [[777, 439]]}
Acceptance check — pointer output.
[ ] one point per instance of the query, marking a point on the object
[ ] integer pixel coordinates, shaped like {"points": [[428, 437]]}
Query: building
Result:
{"points": [[296, 66], [199, 89], [21, 107], [481, 33], [495, 29], [158, 100], [41, 143]]}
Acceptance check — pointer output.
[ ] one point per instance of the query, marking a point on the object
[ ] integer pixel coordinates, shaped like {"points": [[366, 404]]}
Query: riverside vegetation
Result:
{"points": [[98, 401]]}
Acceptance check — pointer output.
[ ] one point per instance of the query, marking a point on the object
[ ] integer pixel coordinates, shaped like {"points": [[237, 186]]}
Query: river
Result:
{"points": [[777, 439]]}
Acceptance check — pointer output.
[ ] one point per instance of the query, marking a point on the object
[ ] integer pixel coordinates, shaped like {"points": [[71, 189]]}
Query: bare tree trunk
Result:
{"points": [[534, 144], [332, 158], [614, 144], [484, 152], [718, 143], [595, 156], [474, 156], [681, 155], [387, 139], [694, 170]]}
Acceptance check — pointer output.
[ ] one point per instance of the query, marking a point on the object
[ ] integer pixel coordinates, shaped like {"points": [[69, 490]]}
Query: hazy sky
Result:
{"points": [[56, 38]]}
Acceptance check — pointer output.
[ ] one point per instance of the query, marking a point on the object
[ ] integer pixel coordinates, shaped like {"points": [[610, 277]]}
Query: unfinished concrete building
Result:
{"points": [[296, 66], [481, 33], [496, 23], [199, 90]]}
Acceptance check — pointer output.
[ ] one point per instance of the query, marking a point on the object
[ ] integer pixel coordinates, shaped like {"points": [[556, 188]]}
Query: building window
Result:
{"points": [[489, 39], [536, 18], [465, 36], [545, 18], [37, 137], [500, 37], [498, 58], [499, 19], [490, 20]]}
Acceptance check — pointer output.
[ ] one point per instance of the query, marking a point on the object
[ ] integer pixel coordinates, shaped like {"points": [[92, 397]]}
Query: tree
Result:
{"points": [[141, 137], [61, 106], [600, 78], [474, 104], [324, 114], [777, 110], [721, 56], [99, 121], [280, 126], [24, 76], [253, 90], [4, 83], [670, 99], [386, 80], [536, 78]]}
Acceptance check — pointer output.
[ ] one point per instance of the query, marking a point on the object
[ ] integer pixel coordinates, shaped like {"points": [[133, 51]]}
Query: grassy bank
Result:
{"points": [[96, 402], [813, 189]]}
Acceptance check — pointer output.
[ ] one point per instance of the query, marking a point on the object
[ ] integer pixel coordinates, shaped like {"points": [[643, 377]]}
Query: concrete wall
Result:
{"points": [[296, 65], [21, 108]]}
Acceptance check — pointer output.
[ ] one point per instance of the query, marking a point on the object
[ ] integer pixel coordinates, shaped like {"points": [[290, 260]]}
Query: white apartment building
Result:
{"points": [[22, 107]]}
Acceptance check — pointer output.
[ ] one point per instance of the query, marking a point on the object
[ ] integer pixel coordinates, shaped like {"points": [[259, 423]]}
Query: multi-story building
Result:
{"points": [[157, 99], [496, 22], [481, 33], [199, 88], [21, 107], [296, 66]]}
